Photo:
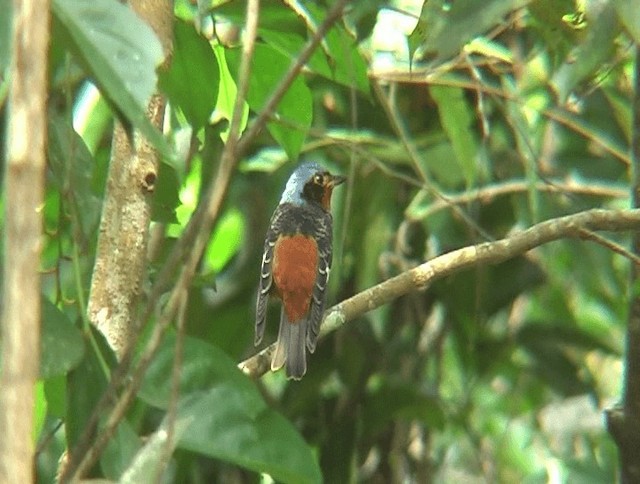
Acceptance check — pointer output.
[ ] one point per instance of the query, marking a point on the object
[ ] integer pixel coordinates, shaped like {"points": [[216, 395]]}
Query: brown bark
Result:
{"points": [[623, 421], [121, 255], [24, 189]]}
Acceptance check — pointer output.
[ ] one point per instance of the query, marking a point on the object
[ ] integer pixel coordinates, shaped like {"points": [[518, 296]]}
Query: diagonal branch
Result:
{"points": [[420, 277]]}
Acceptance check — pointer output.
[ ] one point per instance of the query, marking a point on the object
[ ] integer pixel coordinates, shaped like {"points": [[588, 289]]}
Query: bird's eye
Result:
{"points": [[317, 179]]}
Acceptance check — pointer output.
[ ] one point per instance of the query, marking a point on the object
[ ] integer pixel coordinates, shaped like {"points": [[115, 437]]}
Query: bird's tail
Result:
{"points": [[290, 348]]}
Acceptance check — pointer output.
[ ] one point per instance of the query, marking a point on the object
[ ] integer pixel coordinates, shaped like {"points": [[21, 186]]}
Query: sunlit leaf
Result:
{"points": [[458, 120], [444, 26], [295, 109], [39, 410], [193, 77], [226, 240]]}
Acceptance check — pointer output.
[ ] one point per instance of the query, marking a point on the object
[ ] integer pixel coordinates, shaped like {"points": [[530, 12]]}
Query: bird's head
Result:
{"points": [[311, 183]]}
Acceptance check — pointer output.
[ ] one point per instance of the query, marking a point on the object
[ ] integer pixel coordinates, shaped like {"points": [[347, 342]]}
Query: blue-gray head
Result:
{"points": [[310, 182]]}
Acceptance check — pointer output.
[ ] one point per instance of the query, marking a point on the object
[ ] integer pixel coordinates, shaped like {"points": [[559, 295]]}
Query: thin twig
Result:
{"points": [[420, 277], [611, 245], [176, 373], [400, 130], [422, 76], [489, 192]]}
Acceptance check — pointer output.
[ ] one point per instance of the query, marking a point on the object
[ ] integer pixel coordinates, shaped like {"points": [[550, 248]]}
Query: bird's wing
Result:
{"points": [[323, 236], [266, 275]]}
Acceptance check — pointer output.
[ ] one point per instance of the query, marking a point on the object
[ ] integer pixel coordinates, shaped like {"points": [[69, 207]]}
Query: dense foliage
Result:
{"points": [[509, 113]]}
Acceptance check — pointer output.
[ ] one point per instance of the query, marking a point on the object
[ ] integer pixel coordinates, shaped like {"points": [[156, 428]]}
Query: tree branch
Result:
{"points": [[624, 422], [420, 277], [121, 256], [24, 194]]}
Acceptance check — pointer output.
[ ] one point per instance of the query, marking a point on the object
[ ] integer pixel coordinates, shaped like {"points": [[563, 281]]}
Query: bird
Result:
{"points": [[296, 262]]}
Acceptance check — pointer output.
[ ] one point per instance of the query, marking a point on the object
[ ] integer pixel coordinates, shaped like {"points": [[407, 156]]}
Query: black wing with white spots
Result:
{"points": [[266, 274], [323, 235]]}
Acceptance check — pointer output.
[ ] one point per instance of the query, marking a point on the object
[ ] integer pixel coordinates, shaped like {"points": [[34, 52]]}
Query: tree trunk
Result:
{"points": [[24, 188]]}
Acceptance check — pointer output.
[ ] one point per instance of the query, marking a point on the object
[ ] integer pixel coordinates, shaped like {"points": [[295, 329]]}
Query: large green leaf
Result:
{"points": [[61, 343], [120, 51], [193, 77], [457, 119], [347, 65], [444, 26], [85, 385], [228, 418], [72, 167], [288, 31], [268, 67]]}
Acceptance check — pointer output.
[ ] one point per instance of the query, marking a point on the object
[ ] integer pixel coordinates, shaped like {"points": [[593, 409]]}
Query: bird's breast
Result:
{"points": [[295, 264]]}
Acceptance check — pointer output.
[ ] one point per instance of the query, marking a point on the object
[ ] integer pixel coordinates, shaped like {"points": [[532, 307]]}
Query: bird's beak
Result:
{"points": [[336, 180]]}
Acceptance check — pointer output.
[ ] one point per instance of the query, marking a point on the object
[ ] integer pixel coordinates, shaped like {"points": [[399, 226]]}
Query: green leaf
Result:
{"points": [[72, 167], [61, 343], [445, 27], [629, 16], [193, 78], [227, 94], [229, 419], [166, 196], [120, 51], [337, 59], [348, 66], [153, 455], [55, 390], [85, 385], [226, 240], [587, 58], [120, 451], [457, 120], [6, 7], [296, 107], [39, 410]]}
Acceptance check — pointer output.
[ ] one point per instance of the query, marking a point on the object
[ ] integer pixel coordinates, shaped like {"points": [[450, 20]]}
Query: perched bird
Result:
{"points": [[296, 263]]}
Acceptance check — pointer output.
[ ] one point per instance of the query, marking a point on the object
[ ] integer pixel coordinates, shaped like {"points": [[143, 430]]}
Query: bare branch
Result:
{"points": [[24, 193], [420, 277]]}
